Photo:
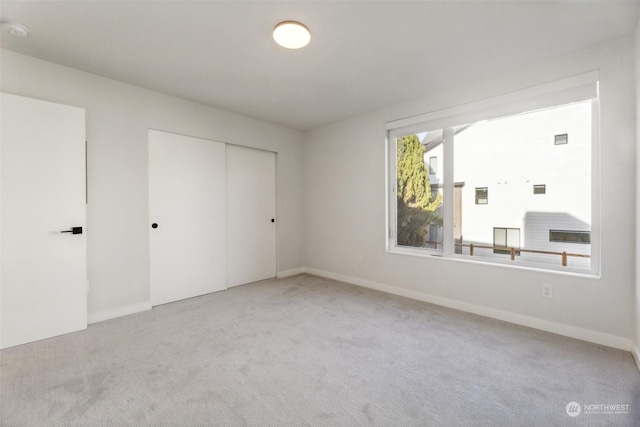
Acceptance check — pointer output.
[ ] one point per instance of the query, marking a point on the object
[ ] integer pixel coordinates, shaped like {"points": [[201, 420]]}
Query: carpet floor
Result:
{"points": [[312, 351]]}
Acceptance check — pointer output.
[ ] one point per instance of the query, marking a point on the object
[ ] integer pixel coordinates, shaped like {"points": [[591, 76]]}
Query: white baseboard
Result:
{"points": [[119, 312], [636, 355], [531, 322], [287, 273]]}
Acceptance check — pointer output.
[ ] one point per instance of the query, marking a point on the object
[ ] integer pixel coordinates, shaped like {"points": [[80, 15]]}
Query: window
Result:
{"points": [[433, 233], [433, 165], [507, 153], [506, 238], [540, 189], [562, 236], [482, 196], [418, 203], [502, 146], [561, 139]]}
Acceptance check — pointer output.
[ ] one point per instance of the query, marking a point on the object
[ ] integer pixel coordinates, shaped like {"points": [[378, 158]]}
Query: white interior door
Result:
{"points": [[187, 191], [251, 210], [43, 288]]}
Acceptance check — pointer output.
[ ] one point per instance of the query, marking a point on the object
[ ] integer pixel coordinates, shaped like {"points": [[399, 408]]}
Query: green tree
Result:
{"points": [[416, 207]]}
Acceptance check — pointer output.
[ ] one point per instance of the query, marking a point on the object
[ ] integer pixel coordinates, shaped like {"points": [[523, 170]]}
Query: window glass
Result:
{"points": [[569, 236], [511, 154], [482, 196], [539, 189], [433, 165], [418, 200], [505, 238], [561, 139]]}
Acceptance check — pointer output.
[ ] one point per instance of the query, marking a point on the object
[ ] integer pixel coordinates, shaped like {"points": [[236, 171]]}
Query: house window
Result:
{"points": [[433, 233], [482, 196], [540, 189], [506, 238], [502, 146], [564, 236], [561, 139], [433, 165]]}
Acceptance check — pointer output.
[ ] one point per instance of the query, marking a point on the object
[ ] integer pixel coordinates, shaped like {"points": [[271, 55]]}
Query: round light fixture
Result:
{"points": [[291, 34], [14, 29]]}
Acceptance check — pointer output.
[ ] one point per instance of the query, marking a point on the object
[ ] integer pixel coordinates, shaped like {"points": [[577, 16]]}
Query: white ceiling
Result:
{"points": [[362, 56]]}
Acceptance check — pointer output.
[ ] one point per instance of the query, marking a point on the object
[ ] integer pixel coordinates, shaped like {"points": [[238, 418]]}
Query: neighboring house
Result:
{"points": [[522, 182]]}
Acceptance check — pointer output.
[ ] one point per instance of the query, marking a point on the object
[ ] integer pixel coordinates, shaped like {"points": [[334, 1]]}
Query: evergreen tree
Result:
{"points": [[416, 209]]}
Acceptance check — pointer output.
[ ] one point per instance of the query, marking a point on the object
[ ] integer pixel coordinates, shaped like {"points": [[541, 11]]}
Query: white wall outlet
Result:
{"points": [[547, 290], [360, 260]]}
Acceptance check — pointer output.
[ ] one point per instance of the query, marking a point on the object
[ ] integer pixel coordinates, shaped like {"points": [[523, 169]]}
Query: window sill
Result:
{"points": [[432, 254]]}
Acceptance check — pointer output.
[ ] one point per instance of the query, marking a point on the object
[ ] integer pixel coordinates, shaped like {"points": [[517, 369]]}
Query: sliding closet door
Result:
{"points": [[251, 209], [187, 217]]}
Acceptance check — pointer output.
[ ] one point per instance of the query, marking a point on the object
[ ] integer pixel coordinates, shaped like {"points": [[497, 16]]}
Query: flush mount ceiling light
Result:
{"points": [[291, 34], [14, 29]]}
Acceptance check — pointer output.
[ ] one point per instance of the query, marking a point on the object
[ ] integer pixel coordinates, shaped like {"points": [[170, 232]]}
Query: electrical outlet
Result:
{"points": [[360, 260], [547, 290]]}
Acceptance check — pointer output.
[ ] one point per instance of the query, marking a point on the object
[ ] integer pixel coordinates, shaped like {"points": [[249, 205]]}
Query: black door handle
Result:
{"points": [[74, 230], [154, 225], [273, 220]]}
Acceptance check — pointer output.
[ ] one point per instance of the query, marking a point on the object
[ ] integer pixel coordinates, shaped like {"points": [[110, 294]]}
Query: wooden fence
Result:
{"points": [[512, 251]]}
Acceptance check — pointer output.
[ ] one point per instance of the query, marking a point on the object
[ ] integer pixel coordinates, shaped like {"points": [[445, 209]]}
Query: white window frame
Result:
{"points": [[577, 88]]}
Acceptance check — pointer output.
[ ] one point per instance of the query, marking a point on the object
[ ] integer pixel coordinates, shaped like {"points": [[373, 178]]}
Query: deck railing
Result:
{"points": [[512, 251]]}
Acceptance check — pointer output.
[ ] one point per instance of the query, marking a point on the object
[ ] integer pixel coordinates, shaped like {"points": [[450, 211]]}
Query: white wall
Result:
{"points": [[637, 298], [345, 212], [118, 117]]}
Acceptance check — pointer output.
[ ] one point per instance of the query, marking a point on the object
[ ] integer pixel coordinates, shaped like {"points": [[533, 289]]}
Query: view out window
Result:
{"points": [[540, 189], [510, 151], [418, 204], [482, 196], [563, 236], [506, 153], [561, 139]]}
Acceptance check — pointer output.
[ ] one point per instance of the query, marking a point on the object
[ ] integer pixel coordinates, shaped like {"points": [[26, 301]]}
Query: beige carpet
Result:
{"points": [[311, 351]]}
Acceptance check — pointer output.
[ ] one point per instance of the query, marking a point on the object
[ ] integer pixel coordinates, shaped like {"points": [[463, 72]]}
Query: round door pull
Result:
{"points": [[273, 220], [154, 225]]}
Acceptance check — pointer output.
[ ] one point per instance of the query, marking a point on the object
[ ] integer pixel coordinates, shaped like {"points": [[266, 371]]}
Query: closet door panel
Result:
{"points": [[251, 208], [187, 216]]}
